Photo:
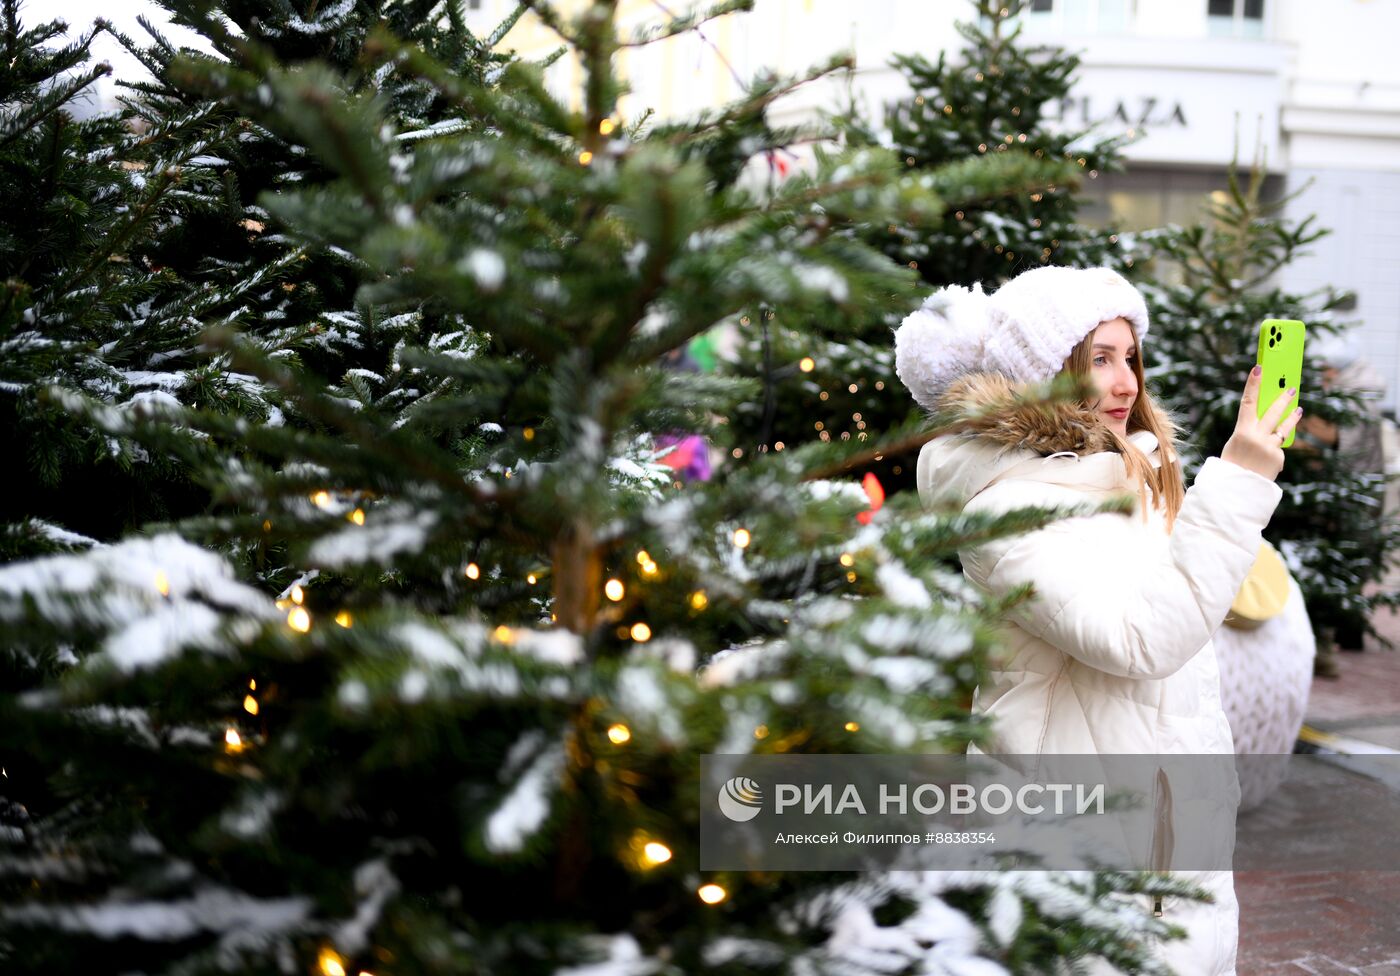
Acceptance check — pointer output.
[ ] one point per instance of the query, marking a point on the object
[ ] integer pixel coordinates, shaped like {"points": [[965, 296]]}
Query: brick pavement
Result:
{"points": [[1331, 923]]}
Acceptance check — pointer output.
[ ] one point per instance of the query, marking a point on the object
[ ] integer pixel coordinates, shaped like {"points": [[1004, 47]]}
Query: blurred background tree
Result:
{"points": [[1329, 526]]}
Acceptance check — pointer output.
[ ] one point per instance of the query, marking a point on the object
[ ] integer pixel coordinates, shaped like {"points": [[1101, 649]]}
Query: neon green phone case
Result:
{"points": [[1281, 355]]}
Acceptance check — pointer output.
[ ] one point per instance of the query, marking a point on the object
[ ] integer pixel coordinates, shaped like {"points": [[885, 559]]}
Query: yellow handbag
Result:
{"points": [[1264, 593]]}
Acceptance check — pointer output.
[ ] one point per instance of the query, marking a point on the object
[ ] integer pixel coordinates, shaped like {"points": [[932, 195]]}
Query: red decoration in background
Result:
{"points": [[875, 492]]}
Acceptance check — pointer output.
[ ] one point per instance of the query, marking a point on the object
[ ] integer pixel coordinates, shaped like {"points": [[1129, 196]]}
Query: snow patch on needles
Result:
{"points": [[527, 805], [393, 531], [487, 267], [902, 588], [156, 594], [211, 910]]}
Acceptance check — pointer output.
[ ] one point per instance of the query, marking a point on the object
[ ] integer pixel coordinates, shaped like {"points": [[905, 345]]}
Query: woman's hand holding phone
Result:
{"points": [[1257, 443]]}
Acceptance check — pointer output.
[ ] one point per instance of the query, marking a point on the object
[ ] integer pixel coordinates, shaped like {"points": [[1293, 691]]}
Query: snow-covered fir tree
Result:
{"points": [[424, 686]]}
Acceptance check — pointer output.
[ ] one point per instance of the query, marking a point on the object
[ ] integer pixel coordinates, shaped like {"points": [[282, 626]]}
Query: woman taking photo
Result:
{"points": [[1112, 654]]}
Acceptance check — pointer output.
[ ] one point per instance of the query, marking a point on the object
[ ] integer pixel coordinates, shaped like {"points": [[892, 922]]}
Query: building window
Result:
{"points": [[1078, 16], [1235, 18]]}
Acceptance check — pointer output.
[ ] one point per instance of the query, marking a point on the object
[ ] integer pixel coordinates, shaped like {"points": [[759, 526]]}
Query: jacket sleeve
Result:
{"points": [[1108, 600]]}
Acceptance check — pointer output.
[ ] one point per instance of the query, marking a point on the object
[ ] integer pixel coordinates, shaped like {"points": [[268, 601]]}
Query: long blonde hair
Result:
{"points": [[1166, 482]]}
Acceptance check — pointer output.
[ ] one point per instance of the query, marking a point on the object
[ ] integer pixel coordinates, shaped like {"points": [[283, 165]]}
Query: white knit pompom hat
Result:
{"points": [[1024, 331]]}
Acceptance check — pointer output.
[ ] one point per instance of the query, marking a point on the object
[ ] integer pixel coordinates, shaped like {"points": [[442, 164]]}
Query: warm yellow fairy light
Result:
{"points": [[267, 525], [712, 894], [298, 594], [357, 516], [847, 559], [760, 732], [233, 742], [282, 604], [162, 583], [529, 433], [640, 632], [619, 734], [344, 619], [606, 127], [698, 600], [807, 364], [299, 619], [614, 590], [852, 726], [503, 634], [250, 704], [331, 963], [585, 157], [252, 684], [321, 499], [643, 557], [473, 571], [649, 568], [656, 852], [531, 579], [850, 577], [742, 538]]}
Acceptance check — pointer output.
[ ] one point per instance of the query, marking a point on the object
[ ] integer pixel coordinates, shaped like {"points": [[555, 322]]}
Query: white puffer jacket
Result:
{"points": [[1113, 653]]}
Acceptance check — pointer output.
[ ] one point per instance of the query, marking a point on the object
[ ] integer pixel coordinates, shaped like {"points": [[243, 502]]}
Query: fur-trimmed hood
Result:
{"points": [[1002, 430]]}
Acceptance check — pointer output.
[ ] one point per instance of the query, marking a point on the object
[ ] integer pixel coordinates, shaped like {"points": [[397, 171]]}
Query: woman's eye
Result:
{"points": [[1098, 360]]}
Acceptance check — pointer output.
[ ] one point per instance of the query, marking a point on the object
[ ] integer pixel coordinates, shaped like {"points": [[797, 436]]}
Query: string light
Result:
{"points": [[321, 499], [824, 395], [879, 384], [252, 684], [267, 525], [738, 452], [606, 127], [852, 726], [643, 557], [649, 568], [250, 704], [742, 538], [850, 577], [698, 600], [298, 594], [614, 590], [847, 559], [807, 364], [852, 388], [357, 516], [779, 446], [343, 618], [233, 742], [618, 734], [585, 157], [162, 584], [712, 894], [503, 634], [656, 852], [640, 632], [299, 620], [473, 571], [330, 962], [760, 732], [531, 579]]}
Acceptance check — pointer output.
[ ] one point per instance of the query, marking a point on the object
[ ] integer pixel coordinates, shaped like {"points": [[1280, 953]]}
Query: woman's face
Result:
{"points": [[1111, 367]]}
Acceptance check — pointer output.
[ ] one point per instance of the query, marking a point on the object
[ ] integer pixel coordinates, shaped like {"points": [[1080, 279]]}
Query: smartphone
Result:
{"points": [[1281, 355]]}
